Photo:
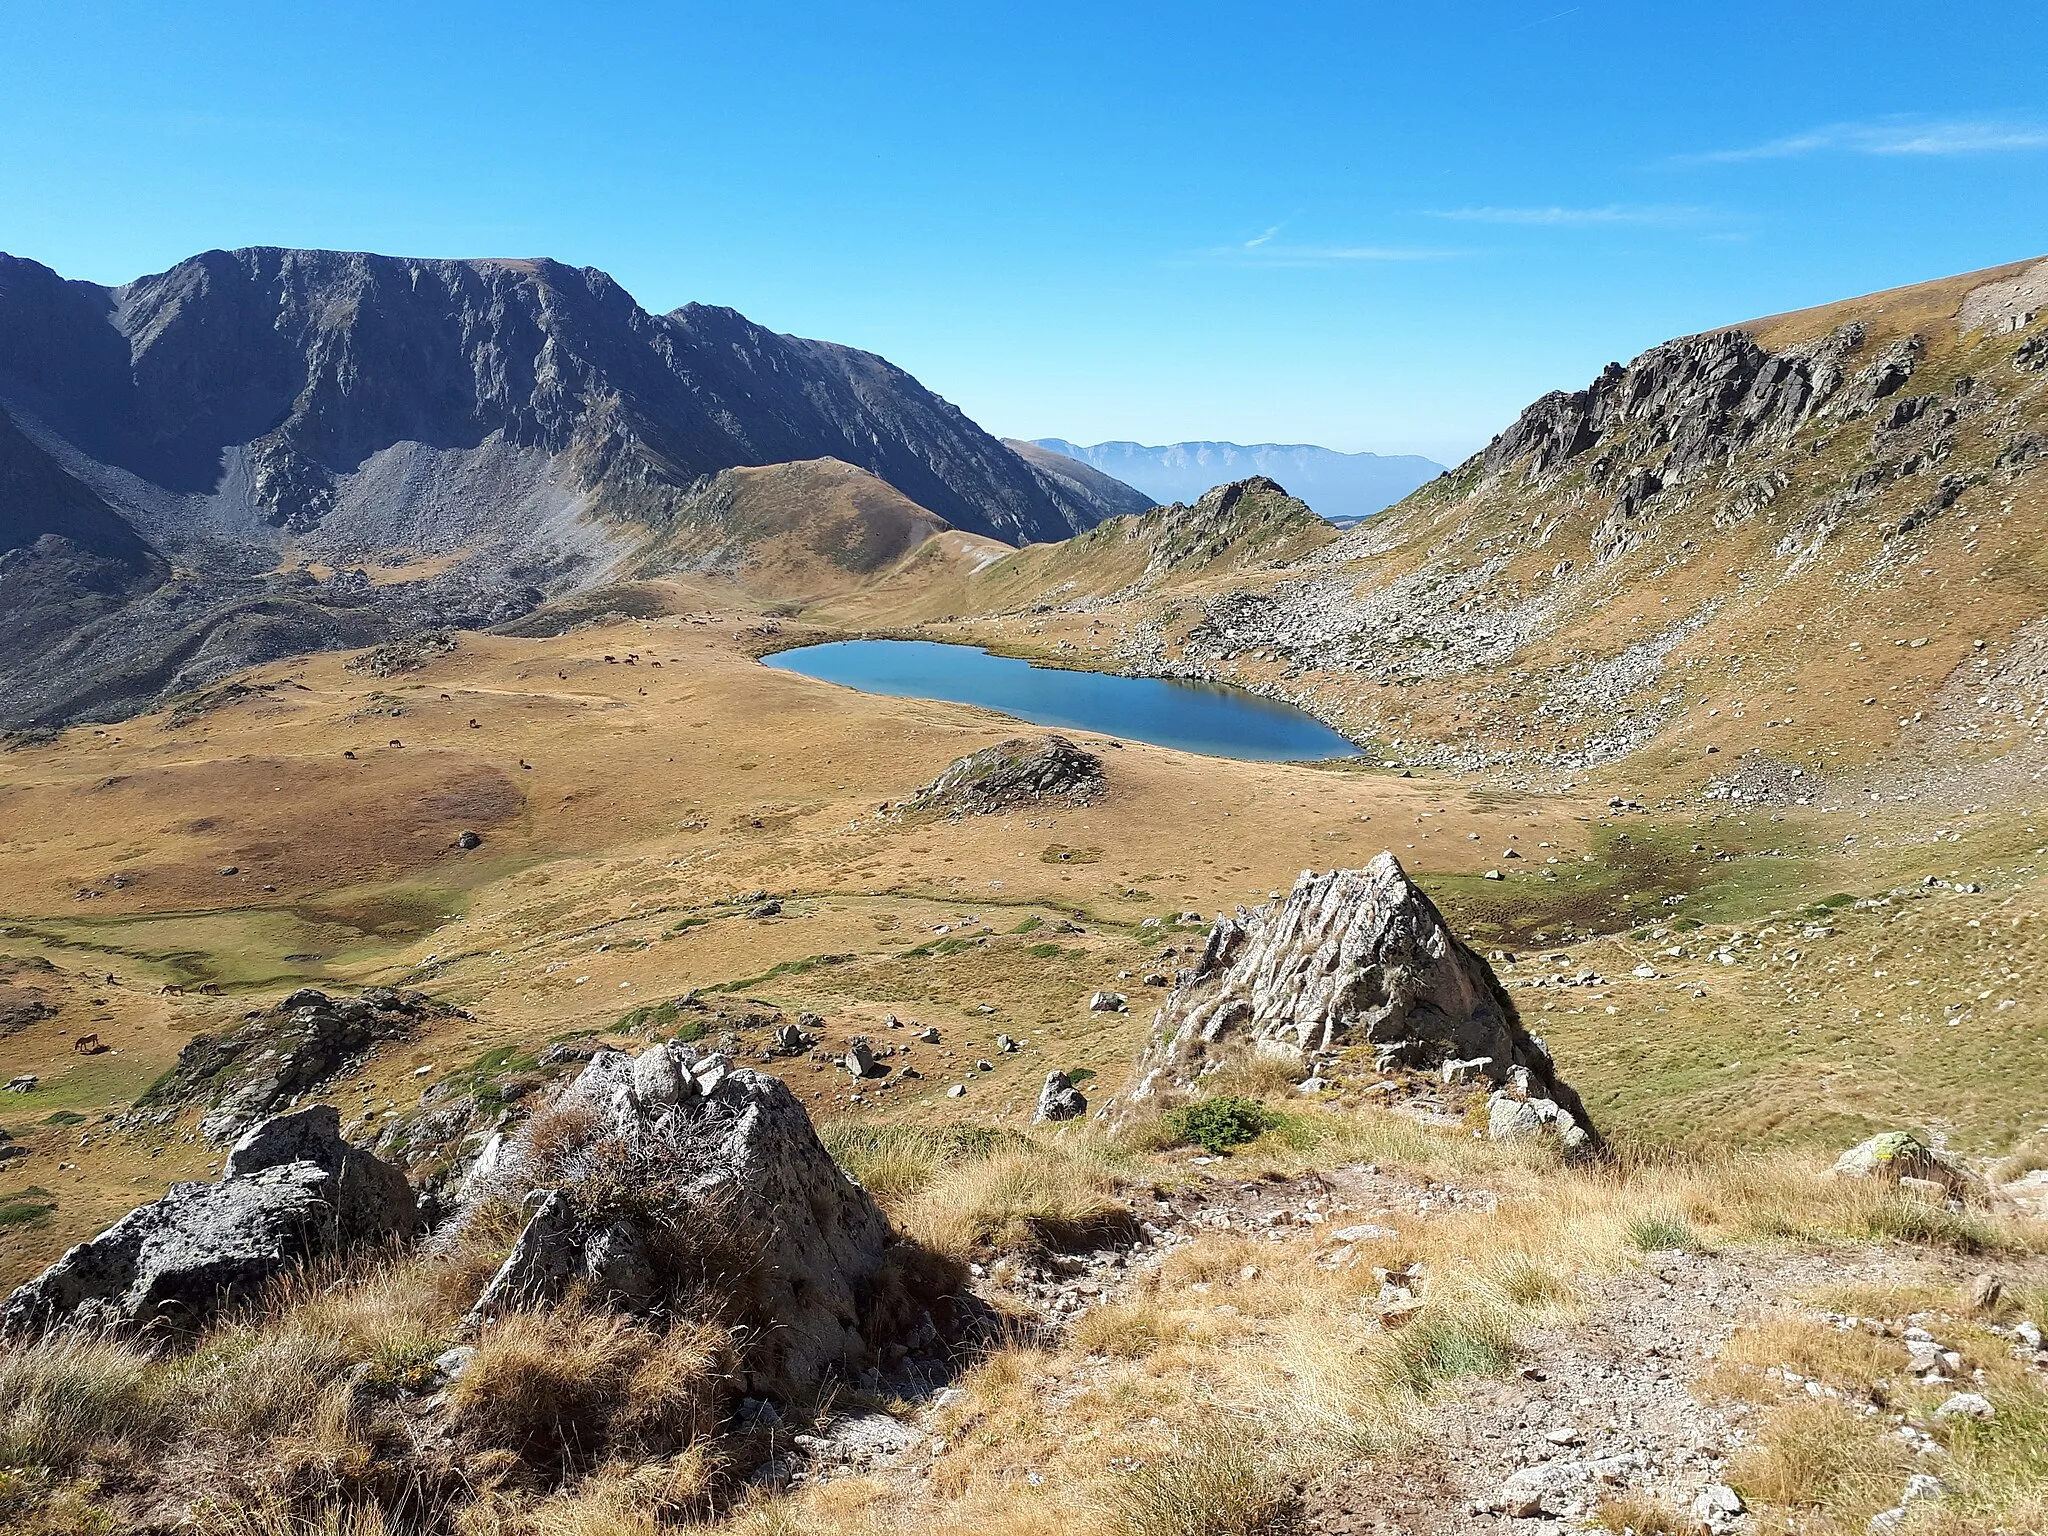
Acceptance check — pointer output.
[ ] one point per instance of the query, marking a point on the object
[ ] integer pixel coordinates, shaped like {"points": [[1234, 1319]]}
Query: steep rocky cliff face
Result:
{"points": [[253, 410]]}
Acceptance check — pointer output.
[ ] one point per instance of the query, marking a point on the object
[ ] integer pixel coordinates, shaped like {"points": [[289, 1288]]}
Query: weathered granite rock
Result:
{"points": [[1059, 1099], [292, 1189], [1894, 1156], [1347, 958], [656, 1178], [1014, 773]]}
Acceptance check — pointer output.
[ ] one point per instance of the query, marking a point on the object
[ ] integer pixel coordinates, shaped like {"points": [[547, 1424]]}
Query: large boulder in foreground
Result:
{"points": [[1350, 957], [291, 1191], [1014, 774], [669, 1182]]}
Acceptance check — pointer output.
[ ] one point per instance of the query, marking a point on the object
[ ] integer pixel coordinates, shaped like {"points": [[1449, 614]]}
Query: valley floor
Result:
{"points": [[673, 840]]}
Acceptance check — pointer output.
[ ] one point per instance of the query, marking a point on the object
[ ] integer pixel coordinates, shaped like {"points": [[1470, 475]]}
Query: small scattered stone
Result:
{"points": [[1967, 1405]]}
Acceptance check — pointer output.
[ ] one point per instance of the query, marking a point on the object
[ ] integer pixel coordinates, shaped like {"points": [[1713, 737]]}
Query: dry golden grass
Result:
{"points": [[1825, 1462], [1849, 1360], [1833, 1464], [570, 1386], [1277, 1339], [965, 1190], [61, 1398], [1637, 1514], [1123, 1330], [1220, 1482]]}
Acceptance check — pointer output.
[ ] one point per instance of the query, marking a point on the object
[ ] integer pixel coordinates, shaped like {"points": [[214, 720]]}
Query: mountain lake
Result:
{"points": [[1189, 717]]}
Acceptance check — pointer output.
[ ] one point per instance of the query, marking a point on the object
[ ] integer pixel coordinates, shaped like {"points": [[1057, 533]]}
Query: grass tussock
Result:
{"points": [[570, 1387], [1020, 1200], [895, 1162], [1223, 1483], [1638, 1514], [1121, 1331], [1819, 1456], [60, 1399], [300, 1414]]}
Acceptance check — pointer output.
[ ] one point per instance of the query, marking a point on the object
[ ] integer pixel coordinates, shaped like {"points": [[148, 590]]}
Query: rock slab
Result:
{"points": [[292, 1190], [1018, 772]]}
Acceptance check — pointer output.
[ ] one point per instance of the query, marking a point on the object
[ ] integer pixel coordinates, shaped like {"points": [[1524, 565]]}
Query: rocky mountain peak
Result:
{"points": [[1247, 519], [526, 425]]}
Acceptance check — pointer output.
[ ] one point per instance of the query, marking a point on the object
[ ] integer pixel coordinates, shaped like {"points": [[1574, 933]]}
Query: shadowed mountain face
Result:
{"points": [[523, 426], [1070, 478]]}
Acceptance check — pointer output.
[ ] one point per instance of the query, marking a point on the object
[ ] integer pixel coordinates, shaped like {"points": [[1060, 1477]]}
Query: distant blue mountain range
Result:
{"points": [[1341, 486]]}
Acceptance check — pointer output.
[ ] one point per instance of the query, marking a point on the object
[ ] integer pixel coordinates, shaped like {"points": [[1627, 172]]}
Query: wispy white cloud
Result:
{"points": [[1657, 216], [1264, 251], [1895, 136]]}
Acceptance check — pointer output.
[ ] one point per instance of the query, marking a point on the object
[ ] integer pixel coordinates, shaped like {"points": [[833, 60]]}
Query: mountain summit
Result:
{"points": [[168, 447]]}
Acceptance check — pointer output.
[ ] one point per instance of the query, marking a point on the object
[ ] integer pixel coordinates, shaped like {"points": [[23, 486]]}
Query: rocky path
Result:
{"points": [[1605, 1402]]}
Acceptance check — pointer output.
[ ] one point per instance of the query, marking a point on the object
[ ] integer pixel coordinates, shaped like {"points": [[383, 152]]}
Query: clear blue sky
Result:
{"points": [[1382, 226]]}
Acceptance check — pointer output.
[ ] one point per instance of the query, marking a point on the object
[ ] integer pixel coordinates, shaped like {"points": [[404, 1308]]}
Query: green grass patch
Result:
{"points": [[26, 1208], [1657, 1232], [1440, 1346], [802, 967]]}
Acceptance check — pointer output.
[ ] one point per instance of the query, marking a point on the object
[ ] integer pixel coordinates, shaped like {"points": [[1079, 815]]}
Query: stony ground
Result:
{"points": [[1612, 1398]]}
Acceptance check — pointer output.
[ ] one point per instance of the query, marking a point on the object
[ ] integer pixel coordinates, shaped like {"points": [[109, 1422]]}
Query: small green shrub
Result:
{"points": [[1219, 1124], [1654, 1232]]}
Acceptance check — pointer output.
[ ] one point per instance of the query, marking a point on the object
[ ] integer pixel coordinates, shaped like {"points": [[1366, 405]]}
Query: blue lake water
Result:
{"points": [[1191, 717]]}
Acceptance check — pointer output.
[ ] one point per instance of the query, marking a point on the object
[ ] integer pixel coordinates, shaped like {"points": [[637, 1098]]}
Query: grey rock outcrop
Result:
{"points": [[1356, 957], [663, 1179], [1018, 772], [292, 1189], [1059, 1099], [289, 1049]]}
